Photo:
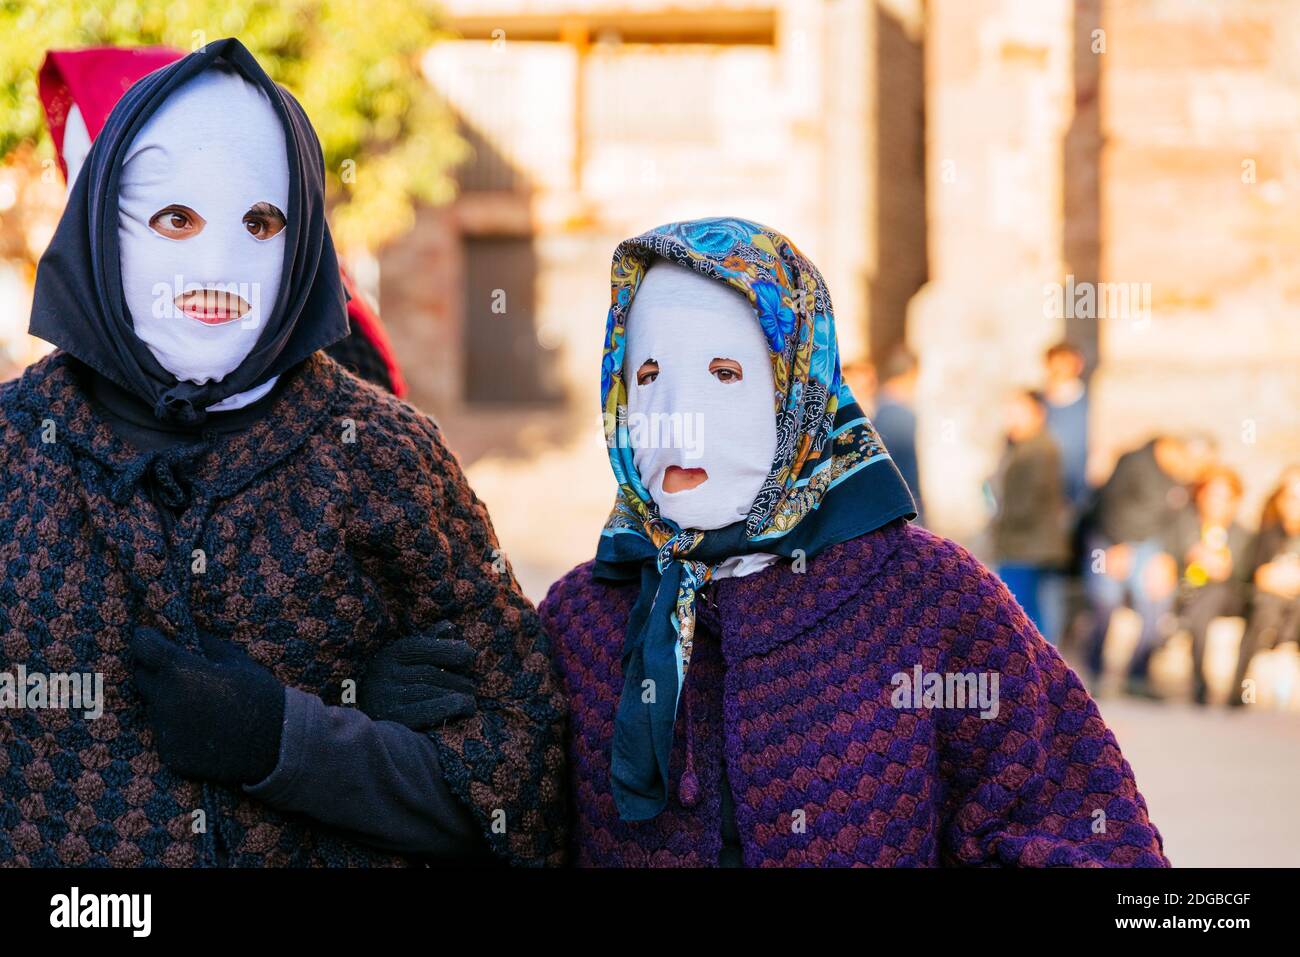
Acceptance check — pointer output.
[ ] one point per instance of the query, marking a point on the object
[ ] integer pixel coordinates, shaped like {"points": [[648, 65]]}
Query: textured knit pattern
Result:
{"points": [[335, 525], [792, 681], [359, 356]]}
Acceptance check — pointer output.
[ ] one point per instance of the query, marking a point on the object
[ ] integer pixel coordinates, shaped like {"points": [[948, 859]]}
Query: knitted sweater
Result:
{"points": [[794, 679], [337, 523]]}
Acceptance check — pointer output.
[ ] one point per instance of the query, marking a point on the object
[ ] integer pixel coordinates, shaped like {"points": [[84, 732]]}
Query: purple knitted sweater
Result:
{"points": [[793, 681]]}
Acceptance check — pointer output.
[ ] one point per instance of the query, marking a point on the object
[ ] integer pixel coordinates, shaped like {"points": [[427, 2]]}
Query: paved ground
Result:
{"points": [[1222, 787]]}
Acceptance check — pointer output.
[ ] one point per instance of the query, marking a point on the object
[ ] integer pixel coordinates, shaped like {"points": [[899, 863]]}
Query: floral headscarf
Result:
{"points": [[825, 445]]}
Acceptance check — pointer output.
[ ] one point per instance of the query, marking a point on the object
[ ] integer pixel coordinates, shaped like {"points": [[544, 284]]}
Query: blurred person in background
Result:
{"points": [[1213, 552], [1066, 393], [760, 607], [1129, 544], [79, 88], [1029, 535], [895, 417], [1275, 604]]}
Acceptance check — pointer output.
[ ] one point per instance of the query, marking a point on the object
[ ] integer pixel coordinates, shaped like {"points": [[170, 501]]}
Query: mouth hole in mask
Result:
{"points": [[212, 306], [678, 479]]}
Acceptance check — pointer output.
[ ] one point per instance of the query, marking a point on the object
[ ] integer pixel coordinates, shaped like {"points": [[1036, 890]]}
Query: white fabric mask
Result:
{"points": [[688, 417], [217, 147], [76, 143]]}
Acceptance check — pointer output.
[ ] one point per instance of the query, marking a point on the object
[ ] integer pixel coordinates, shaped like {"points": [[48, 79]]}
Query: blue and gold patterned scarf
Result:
{"points": [[831, 479]]}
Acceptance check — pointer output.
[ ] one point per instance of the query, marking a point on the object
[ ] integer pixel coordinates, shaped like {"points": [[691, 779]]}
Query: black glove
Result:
{"points": [[217, 718], [422, 681]]}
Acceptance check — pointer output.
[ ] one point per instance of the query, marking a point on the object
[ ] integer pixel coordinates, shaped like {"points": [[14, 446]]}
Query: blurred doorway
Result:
{"points": [[504, 362]]}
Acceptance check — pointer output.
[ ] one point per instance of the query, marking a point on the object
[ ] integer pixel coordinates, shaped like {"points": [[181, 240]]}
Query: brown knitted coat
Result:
{"points": [[338, 523]]}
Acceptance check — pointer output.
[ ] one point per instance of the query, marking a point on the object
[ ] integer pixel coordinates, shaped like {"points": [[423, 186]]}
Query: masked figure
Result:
{"points": [[232, 537], [79, 88], [766, 663]]}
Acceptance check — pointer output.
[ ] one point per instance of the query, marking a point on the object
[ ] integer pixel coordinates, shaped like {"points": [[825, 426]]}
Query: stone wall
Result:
{"points": [[810, 119], [998, 105], [1200, 193], [1137, 146]]}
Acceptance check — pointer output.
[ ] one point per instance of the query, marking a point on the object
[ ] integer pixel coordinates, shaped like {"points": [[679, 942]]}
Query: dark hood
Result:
{"points": [[79, 305]]}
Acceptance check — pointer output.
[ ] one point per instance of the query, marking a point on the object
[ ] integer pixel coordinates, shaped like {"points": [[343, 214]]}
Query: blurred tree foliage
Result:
{"points": [[355, 66]]}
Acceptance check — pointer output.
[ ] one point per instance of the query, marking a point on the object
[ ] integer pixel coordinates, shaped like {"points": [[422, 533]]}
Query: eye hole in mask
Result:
{"points": [[263, 221], [725, 371], [177, 222]]}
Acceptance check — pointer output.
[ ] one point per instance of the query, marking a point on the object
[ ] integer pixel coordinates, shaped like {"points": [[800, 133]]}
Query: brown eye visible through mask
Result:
{"points": [[263, 220], [177, 222], [726, 370]]}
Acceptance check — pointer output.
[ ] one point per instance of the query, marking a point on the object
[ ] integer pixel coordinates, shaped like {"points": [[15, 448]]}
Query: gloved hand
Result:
{"points": [[218, 717], [422, 681]]}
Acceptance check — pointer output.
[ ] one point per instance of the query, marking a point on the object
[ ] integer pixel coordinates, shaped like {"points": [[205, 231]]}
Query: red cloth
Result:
{"points": [[94, 79], [365, 321]]}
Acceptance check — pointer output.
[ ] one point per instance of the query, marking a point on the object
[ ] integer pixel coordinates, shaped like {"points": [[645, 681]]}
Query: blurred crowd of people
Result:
{"points": [[1162, 535]]}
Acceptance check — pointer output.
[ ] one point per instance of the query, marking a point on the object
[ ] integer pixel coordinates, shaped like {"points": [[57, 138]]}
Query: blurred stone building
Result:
{"points": [[1149, 145], [593, 120], [948, 163]]}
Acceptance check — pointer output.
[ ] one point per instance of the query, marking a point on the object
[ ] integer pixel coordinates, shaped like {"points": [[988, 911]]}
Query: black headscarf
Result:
{"points": [[79, 305]]}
